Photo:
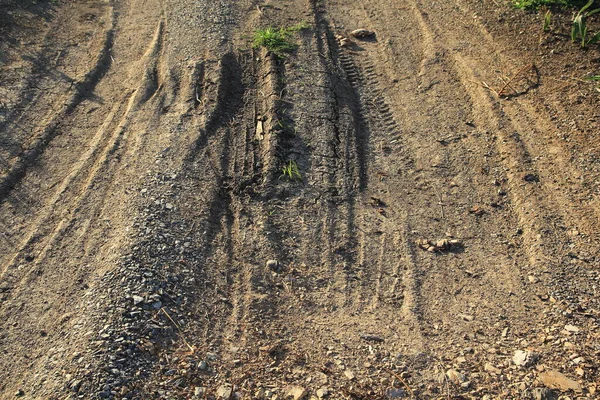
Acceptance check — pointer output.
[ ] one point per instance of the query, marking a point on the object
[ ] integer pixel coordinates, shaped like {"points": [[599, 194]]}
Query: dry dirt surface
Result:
{"points": [[440, 240]]}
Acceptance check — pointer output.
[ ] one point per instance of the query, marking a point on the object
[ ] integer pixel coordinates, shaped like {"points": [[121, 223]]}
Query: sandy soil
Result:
{"points": [[442, 242]]}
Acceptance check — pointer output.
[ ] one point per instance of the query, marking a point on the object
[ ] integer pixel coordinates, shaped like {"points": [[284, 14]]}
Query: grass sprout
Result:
{"points": [[547, 20], [291, 171], [593, 78], [579, 30]]}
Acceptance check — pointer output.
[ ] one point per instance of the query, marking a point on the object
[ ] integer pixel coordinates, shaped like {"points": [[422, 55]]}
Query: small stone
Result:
{"points": [[455, 377], [571, 328], [524, 358], [19, 393], [322, 393], [557, 380], [531, 178], [361, 33], [169, 206], [349, 374], [467, 317], [224, 392], [137, 300], [544, 394], [533, 279], [199, 391], [490, 368], [296, 392], [442, 244], [273, 265], [202, 365], [75, 385], [395, 393]]}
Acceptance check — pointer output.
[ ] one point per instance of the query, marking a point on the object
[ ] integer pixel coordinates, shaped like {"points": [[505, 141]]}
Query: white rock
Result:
{"points": [[359, 33], [455, 377], [571, 328], [524, 358], [490, 368], [296, 392], [224, 392]]}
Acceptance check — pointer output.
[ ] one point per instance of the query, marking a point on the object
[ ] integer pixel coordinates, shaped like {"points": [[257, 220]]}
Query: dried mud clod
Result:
{"points": [[343, 41], [440, 245]]}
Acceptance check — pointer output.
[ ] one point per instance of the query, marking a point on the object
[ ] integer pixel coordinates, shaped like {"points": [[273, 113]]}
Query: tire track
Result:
{"points": [[87, 169], [41, 140]]}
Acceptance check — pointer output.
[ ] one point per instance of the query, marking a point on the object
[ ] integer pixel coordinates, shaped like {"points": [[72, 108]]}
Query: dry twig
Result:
{"points": [[519, 72], [192, 350], [389, 371]]}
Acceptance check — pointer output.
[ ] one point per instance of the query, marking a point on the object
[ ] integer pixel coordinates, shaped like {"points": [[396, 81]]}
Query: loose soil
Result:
{"points": [[447, 215]]}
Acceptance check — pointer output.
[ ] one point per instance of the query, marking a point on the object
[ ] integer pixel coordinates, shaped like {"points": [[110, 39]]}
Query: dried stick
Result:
{"points": [[389, 371], [514, 76], [178, 329]]}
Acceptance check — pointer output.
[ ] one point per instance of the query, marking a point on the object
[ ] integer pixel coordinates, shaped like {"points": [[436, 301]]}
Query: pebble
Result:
{"points": [[361, 33], [349, 374], [455, 377], [199, 391], [490, 368], [273, 265], [531, 178], [571, 328], [224, 392], [467, 317], [394, 393], [544, 394], [322, 393], [524, 358], [137, 300], [557, 380], [296, 392]]}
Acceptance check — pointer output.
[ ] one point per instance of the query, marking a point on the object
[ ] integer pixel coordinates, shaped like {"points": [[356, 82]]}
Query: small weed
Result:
{"points": [[291, 171], [594, 78], [547, 20], [580, 27], [277, 40], [534, 4]]}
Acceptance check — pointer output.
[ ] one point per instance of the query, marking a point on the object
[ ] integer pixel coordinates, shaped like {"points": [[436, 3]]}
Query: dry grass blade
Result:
{"points": [[180, 332], [508, 82], [395, 375]]}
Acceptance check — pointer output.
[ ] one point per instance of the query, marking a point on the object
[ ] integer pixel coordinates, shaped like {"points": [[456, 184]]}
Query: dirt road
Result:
{"points": [[445, 215]]}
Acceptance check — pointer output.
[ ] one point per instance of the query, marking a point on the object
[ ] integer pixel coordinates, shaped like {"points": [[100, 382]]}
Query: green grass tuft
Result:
{"points": [[277, 40], [535, 4]]}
